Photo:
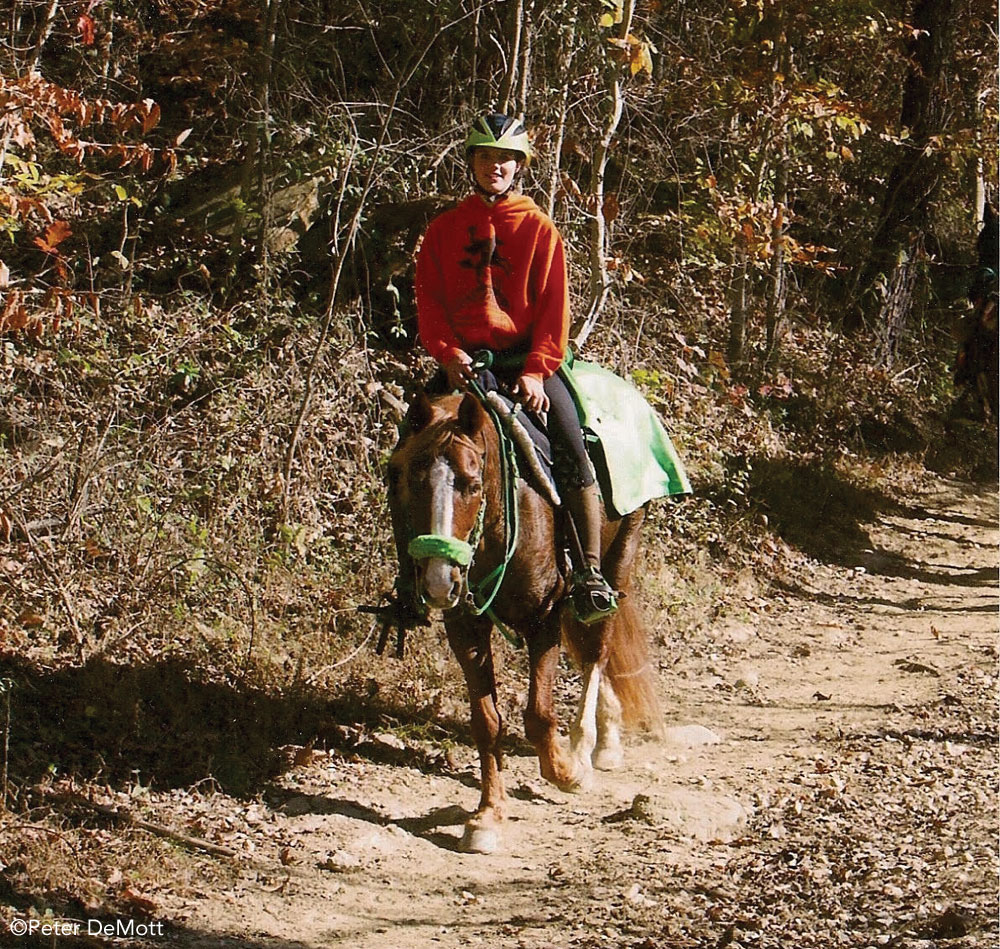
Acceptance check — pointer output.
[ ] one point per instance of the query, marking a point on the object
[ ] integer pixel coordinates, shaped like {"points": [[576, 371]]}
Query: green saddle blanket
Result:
{"points": [[633, 457]]}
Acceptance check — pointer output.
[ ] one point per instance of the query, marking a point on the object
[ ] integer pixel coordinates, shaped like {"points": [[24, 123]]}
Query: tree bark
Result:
{"points": [[513, 59], [600, 284], [566, 61], [888, 286]]}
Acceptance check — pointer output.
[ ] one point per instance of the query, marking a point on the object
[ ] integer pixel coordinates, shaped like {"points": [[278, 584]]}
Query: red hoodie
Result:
{"points": [[493, 276]]}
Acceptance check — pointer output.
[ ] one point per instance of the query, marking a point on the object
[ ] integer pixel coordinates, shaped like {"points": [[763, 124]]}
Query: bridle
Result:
{"points": [[477, 598]]}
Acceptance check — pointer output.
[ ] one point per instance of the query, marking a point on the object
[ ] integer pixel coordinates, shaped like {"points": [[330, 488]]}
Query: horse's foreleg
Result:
{"points": [[583, 732], [539, 714], [470, 641], [608, 754]]}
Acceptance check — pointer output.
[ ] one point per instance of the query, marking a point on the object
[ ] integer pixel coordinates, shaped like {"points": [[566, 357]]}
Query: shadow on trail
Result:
{"points": [[909, 604], [886, 564], [426, 827], [826, 515], [161, 724], [919, 513], [815, 508]]}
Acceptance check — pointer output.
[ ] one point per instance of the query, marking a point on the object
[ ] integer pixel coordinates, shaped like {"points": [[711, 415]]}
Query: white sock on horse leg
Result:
{"points": [[608, 754], [583, 734]]}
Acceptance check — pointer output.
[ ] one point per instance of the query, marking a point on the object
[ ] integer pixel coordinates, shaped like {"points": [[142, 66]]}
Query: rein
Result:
{"points": [[508, 504]]}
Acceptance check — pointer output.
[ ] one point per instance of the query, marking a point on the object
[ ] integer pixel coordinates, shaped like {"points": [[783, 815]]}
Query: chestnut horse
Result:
{"points": [[445, 483]]}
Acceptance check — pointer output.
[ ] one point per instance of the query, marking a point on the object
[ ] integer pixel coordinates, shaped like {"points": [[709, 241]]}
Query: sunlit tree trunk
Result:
{"points": [[600, 284], [514, 30]]}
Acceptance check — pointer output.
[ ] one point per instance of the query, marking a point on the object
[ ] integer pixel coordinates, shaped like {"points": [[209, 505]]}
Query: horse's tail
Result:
{"points": [[629, 668], [630, 671]]}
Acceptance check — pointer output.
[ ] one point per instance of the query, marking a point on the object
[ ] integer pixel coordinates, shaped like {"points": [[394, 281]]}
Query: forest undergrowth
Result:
{"points": [[174, 610]]}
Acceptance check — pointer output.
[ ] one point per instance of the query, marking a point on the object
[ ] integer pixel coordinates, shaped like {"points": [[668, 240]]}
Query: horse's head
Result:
{"points": [[436, 482]]}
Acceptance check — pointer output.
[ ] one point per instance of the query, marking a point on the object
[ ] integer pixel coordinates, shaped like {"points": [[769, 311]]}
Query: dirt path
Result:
{"points": [[829, 781]]}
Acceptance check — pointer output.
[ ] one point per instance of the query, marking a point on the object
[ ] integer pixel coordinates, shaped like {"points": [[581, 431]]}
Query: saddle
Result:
{"points": [[633, 457], [527, 431]]}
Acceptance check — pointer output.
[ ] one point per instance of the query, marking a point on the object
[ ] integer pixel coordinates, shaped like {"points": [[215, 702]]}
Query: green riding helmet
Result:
{"points": [[499, 131]]}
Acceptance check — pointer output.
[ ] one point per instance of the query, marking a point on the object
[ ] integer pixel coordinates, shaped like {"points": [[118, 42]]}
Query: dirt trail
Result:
{"points": [[828, 781]]}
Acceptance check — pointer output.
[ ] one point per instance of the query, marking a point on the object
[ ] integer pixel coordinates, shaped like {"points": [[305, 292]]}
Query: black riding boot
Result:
{"points": [[593, 598]]}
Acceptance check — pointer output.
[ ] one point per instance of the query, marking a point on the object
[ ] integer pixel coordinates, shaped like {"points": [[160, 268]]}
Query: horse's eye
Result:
{"points": [[468, 486]]}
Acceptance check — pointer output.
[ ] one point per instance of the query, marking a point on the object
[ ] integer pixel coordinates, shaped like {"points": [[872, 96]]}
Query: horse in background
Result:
{"points": [[445, 482]]}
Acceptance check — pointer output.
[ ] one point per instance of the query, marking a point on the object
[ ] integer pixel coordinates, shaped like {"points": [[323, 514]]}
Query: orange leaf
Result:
{"points": [[139, 900], [55, 234], [94, 551], [152, 115], [611, 207], [85, 26]]}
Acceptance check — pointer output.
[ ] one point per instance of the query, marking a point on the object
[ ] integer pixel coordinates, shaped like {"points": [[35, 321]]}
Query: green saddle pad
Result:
{"points": [[633, 457]]}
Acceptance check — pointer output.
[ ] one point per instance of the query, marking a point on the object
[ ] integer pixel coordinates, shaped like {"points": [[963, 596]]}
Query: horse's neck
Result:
{"points": [[535, 524]]}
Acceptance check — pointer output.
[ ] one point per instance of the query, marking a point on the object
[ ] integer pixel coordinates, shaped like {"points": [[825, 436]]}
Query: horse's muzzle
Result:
{"points": [[440, 582]]}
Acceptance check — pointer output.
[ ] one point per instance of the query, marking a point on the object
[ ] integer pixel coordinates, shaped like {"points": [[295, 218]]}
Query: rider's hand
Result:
{"points": [[532, 392], [459, 370]]}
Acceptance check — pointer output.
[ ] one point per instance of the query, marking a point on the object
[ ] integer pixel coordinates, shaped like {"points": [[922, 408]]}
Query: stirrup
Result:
{"points": [[593, 599]]}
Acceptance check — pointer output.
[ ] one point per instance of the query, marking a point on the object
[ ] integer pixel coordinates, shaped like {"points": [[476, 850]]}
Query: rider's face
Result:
{"points": [[494, 168]]}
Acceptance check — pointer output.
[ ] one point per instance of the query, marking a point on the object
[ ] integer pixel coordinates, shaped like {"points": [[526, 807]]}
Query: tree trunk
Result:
{"points": [[914, 180], [253, 174], [900, 297], [600, 284], [513, 59], [738, 312], [43, 35], [774, 316], [566, 61], [524, 70]]}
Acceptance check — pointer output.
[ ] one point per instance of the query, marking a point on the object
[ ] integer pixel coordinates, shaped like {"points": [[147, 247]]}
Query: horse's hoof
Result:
{"points": [[581, 782], [479, 839], [608, 759]]}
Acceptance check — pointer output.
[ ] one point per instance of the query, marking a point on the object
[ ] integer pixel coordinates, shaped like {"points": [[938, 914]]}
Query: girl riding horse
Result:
{"points": [[492, 275]]}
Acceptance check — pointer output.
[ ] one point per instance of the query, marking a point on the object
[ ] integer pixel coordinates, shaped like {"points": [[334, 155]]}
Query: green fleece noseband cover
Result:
{"points": [[436, 545]]}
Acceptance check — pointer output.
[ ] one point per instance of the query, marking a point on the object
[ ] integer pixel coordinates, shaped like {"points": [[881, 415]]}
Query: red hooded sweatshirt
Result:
{"points": [[493, 276]]}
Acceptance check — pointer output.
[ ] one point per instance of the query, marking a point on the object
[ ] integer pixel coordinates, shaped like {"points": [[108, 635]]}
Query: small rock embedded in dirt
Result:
{"points": [[691, 736], [388, 740], [640, 809], [909, 665], [340, 861]]}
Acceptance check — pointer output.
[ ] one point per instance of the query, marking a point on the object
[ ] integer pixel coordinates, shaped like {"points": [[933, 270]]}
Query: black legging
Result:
{"points": [[572, 464]]}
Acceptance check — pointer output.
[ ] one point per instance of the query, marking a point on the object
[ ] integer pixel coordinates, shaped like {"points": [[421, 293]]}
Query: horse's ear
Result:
{"points": [[471, 417], [419, 413]]}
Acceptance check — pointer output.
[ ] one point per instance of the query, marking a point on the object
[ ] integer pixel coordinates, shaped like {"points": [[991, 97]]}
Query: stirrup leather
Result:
{"points": [[593, 599]]}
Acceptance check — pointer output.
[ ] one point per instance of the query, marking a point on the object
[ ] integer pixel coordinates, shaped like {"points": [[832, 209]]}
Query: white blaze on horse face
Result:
{"points": [[440, 586]]}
